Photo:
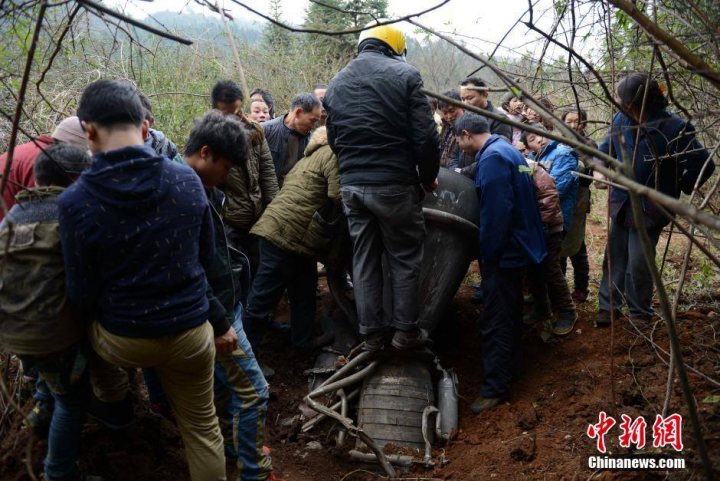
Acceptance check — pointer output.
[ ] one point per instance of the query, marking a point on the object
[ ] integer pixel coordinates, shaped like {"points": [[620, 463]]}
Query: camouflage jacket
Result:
{"points": [[35, 314]]}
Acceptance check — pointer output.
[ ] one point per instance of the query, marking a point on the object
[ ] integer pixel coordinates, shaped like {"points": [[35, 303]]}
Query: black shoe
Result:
{"points": [[603, 318], [113, 415], [413, 339], [376, 341], [482, 404]]}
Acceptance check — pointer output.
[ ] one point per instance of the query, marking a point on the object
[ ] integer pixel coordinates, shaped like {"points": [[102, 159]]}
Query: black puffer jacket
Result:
{"points": [[379, 123]]}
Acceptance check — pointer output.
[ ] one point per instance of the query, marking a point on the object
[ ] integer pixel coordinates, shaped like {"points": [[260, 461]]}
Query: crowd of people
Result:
{"points": [[139, 256]]}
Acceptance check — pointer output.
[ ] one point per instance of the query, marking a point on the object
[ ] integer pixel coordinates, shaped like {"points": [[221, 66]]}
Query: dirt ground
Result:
{"points": [[540, 434]]}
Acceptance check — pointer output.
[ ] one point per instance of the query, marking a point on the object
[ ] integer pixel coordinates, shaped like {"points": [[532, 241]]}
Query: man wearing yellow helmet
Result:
{"points": [[381, 127]]}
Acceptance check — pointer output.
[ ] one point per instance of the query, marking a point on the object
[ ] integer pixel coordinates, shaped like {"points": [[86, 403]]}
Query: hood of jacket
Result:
{"points": [[318, 139], [130, 178]]}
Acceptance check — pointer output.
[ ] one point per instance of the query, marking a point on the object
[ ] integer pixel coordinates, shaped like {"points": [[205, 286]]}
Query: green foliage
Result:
{"points": [[333, 17]]}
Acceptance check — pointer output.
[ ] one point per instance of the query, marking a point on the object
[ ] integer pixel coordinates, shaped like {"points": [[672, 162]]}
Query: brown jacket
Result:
{"points": [[547, 197], [251, 188]]}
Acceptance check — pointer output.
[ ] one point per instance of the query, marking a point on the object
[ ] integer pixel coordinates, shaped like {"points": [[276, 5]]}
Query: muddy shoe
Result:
{"points": [[484, 404], [603, 318], [413, 339], [565, 324], [643, 321], [377, 340]]}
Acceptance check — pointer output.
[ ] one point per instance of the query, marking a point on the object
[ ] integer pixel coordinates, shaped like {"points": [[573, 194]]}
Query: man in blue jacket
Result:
{"points": [[136, 229], [511, 239], [665, 155]]}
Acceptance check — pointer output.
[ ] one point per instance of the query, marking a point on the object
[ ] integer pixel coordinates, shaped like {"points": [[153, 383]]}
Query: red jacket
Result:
{"points": [[21, 174]]}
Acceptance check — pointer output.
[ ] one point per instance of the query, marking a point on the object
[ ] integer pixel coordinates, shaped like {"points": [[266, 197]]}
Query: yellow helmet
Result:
{"points": [[388, 34]]}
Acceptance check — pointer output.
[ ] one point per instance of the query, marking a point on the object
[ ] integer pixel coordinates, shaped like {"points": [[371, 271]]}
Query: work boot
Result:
{"points": [[484, 404], [603, 318], [113, 415], [376, 341], [413, 339], [565, 324]]}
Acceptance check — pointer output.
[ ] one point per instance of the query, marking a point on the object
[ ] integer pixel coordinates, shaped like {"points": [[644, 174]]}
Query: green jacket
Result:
{"points": [[251, 188], [35, 315], [306, 213]]}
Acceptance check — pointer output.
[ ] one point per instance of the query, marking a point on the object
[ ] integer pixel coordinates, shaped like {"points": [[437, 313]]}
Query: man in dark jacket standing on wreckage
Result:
{"points": [[381, 128]]}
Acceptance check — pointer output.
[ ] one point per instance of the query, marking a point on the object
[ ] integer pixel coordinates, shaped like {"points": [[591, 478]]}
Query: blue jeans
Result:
{"points": [[67, 379], [241, 400]]}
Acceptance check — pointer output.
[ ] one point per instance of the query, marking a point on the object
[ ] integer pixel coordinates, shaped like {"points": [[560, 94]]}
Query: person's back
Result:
{"points": [[140, 221], [379, 124], [506, 187], [35, 316], [135, 228], [37, 322]]}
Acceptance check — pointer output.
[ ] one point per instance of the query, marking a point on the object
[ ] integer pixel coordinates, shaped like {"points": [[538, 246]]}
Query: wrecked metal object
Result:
{"points": [[392, 402], [345, 377], [451, 219], [447, 419]]}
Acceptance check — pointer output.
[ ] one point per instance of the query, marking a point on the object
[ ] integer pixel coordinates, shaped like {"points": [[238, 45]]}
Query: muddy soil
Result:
{"points": [[540, 434]]}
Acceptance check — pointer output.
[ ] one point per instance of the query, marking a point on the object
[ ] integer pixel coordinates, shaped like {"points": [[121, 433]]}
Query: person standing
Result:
{"points": [[288, 135], [574, 243], [21, 174], [475, 92], [251, 185], [241, 391], [511, 240], [549, 281], [665, 155], [136, 231], [381, 127]]}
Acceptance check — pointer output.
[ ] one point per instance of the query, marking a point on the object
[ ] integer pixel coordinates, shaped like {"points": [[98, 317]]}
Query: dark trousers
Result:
{"points": [[581, 268], [630, 274], [548, 281], [248, 244], [500, 328], [385, 220], [279, 270]]}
